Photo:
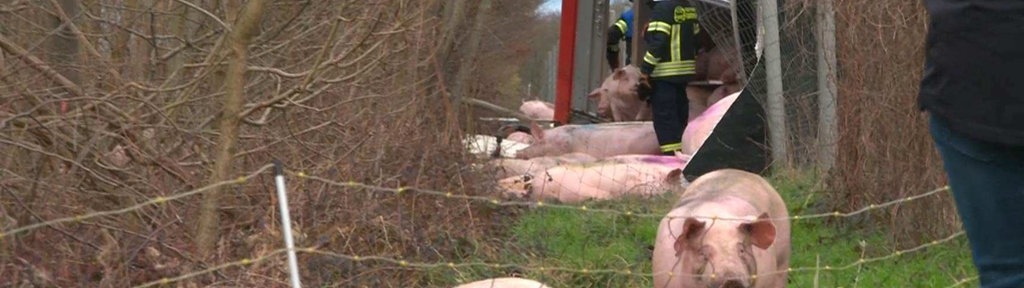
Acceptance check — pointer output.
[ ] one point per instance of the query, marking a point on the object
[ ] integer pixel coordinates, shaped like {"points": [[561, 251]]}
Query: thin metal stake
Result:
{"points": [[286, 223]]}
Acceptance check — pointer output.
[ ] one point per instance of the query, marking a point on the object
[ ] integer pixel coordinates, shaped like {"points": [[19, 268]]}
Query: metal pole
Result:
{"points": [[566, 44], [776, 103], [286, 224], [641, 16], [827, 93], [583, 58], [597, 58], [552, 66]]}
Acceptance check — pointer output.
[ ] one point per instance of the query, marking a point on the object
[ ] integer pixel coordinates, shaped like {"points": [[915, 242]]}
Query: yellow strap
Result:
{"points": [[650, 59], [622, 26], [671, 147], [676, 53], [658, 26], [674, 68]]}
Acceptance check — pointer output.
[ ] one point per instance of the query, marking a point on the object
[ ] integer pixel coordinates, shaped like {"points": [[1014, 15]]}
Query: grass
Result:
{"points": [[577, 240]]}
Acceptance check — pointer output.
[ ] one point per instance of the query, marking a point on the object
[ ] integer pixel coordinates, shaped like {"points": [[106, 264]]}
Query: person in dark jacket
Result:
{"points": [[973, 91], [667, 67], [621, 30]]}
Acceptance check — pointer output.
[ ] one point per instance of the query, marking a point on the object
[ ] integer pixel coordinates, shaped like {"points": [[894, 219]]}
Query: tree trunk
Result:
{"points": [[181, 30], [64, 44], [460, 88], [454, 11], [237, 43]]}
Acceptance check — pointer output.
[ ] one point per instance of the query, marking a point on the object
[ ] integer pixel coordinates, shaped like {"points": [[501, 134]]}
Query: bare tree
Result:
{"points": [[238, 43]]}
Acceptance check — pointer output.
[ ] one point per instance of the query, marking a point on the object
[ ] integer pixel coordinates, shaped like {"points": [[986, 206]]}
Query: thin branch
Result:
{"points": [[41, 66], [207, 13]]}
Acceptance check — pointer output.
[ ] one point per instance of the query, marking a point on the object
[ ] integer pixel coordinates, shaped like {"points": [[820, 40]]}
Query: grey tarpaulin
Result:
{"points": [[737, 142]]}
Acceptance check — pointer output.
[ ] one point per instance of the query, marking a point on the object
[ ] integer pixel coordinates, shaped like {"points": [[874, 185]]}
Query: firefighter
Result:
{"points": [[667, 67], [621, 30]]}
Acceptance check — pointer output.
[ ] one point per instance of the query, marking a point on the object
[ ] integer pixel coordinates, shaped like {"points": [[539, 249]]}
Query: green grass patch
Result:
{"points": [[595, 249]]}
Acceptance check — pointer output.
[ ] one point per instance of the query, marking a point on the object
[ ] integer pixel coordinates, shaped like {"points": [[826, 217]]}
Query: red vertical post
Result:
{"points": [[566, 58]]}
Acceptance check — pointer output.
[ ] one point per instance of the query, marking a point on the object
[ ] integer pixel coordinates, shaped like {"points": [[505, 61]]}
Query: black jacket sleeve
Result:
{"points": [[612, 49]]}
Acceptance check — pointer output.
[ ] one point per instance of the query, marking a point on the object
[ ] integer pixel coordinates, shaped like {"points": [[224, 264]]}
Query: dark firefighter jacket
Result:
{"points": [[671, 41], [973, 60], [621, 30]]}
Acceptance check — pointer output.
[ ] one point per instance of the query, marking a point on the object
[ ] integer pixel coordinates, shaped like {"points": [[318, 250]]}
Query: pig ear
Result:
{"points": [[536, 131], [761, 231], [692, 229], [673, 176], [594, 94], [619, 74]]}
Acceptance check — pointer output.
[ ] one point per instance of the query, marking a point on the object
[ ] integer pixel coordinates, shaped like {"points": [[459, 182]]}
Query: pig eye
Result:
{"points": [[705, 253]]}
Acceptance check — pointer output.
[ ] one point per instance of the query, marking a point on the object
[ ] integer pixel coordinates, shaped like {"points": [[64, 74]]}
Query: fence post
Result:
{"points": [[286, 224], [641, 16], [827, 92], [773, 67]]}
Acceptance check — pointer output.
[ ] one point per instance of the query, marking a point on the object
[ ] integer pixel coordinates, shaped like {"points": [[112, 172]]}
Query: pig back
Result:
{"points": [[504, 282], [737, 183], [612, 139]]}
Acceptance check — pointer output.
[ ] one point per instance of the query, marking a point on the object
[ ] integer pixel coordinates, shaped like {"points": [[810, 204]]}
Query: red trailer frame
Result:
{"points": [[566, 56]]}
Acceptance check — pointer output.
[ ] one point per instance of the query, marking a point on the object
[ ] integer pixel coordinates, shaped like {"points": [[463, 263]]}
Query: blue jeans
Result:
{"points": [[987, 182]]}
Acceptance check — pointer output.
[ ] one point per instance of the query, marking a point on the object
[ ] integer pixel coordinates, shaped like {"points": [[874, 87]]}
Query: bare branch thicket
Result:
{"points": [[353, 90], [885, 151]]}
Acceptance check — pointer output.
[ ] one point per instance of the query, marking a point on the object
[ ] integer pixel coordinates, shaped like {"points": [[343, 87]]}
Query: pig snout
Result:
{"points": [[730, 281]]}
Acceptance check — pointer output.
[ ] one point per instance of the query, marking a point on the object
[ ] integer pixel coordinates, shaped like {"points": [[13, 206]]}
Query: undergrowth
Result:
{"points": [[596, 249]]}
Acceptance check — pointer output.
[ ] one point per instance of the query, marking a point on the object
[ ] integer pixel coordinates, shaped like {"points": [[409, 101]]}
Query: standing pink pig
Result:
{"points": [[728, 227], [538, 110], [643, 175], [700, 128], [598, 140], [618, 97]]}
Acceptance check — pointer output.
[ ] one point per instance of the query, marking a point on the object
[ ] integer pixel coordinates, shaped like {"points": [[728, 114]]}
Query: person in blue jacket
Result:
{"points": [[621, 30]]}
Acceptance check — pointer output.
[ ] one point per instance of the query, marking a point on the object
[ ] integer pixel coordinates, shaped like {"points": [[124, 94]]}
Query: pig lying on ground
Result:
{"points": [[534, 166], [618, 98], [700, 128], [703, 244], [516, 132], [643, 175], [538, 110], [505, 282], [521, 137], [598, 140]]}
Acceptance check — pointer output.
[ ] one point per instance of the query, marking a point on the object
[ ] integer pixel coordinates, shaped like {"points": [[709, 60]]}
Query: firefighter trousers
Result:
{"points": [[670, 110]]}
